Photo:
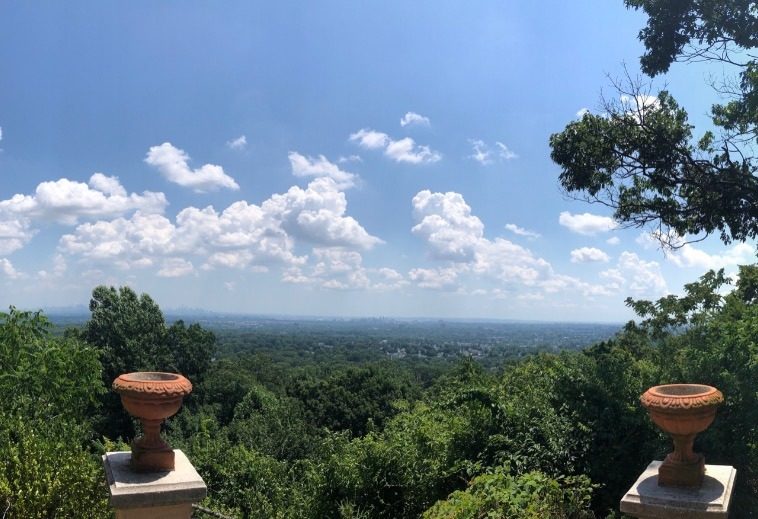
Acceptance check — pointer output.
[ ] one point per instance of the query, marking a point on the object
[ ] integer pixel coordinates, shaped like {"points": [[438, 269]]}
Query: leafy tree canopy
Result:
{"points": [[130, 330], [530, 496], [131, 334], [639, 156], [49, 387]]}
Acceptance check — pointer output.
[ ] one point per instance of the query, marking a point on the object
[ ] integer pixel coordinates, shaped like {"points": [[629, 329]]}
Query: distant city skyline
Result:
{"points": [[330, 159]]}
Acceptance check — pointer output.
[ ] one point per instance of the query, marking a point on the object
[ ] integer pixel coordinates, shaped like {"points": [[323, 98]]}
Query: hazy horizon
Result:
{"points": [[81, 310]]}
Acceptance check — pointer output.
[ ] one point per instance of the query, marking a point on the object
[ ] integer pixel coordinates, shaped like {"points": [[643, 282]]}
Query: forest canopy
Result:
{"points": [[530, 437]]}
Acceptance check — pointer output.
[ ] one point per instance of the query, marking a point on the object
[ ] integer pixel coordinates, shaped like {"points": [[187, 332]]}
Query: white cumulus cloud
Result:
{"points": [[414, 118], [175, 267], [644, 277], [614, 278], [303, 166], [389, 279], [370, 139], [14, 234], [588, 254], [406, 150], [8, 270], [67, 201], [520, 231], [172, 163], [437, 279], [317, 214], [688, 255], [455, 236], [508, 262], [402, 150], [242, 236], [586, 223], [335, 268], [691, 256], [240, 143], [445, 222], [484, 155]]}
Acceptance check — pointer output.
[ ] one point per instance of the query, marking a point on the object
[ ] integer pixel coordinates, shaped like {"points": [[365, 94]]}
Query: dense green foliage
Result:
{"points": [[560, 434], [502, 496], [49, 389]]}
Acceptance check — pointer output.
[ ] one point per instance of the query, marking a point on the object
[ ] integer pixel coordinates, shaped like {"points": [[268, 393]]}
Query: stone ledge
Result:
{"points": [[129, 489], [711, 501]]}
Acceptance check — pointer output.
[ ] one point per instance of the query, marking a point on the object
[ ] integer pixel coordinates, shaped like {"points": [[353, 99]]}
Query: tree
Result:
{"points": [[353, 398], [639, 157], [272, 425], [49, 386], [530, 496], [42, 376], [129, 329], [191, 349], [132, 335]]}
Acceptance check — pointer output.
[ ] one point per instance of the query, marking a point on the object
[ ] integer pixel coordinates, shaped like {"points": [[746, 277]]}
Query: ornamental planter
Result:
{"points": [[683, 411], [152, 397]]}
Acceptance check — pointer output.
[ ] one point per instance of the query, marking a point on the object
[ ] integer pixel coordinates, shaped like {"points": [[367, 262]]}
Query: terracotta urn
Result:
{"points": [[152, 397], [683, 411]]}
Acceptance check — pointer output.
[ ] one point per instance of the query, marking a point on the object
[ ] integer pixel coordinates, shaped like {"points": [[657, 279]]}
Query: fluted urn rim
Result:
{"points": [[152, 385], [681, 396]]}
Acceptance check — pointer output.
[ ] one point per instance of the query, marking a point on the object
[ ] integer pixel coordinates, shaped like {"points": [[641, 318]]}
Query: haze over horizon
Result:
{"points": [[173, 313], [333, 159]]}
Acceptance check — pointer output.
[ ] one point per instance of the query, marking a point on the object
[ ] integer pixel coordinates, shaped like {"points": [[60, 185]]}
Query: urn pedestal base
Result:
{"points": [[649, 500], [152, 460], [157, 495], [150, 453], [673, 473]]}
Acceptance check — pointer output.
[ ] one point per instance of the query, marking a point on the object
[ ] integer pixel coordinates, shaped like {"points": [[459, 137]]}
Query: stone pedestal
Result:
{"points": [[646, 499], [152, 495]]}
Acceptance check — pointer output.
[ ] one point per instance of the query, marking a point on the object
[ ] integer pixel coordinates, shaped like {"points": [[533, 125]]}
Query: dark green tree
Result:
{"points": [[130, 332], [132, 335], [640, 158], [353, 398], [129, 329], [191, 349], [271, 424], [225, 385]]}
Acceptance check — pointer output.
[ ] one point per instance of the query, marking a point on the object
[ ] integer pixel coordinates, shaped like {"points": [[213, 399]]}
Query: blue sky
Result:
{"points": [[325, 158]]}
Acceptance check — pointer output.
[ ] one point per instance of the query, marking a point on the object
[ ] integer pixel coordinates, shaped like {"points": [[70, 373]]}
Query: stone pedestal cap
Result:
{"points": [[646, 499], [129, 489]]}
